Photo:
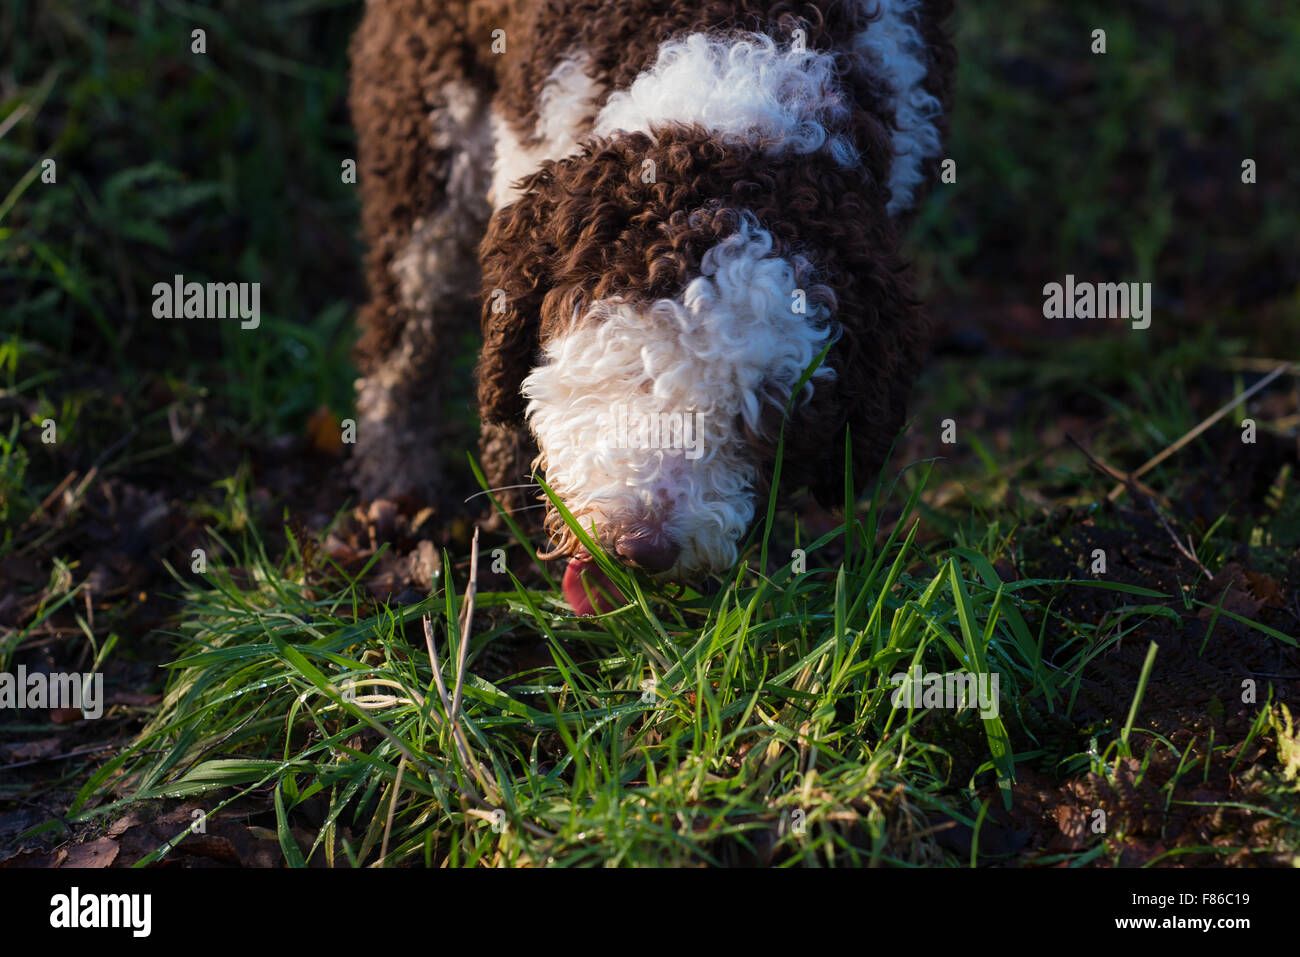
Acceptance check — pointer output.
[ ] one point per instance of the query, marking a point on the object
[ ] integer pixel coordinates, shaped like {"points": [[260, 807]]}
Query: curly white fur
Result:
{"points": [[727, 345], [894, 50], [566, 107], [741, 88]]}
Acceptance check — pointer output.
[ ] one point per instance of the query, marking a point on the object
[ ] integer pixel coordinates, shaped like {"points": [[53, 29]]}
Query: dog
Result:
{"points": [[662, 213]]}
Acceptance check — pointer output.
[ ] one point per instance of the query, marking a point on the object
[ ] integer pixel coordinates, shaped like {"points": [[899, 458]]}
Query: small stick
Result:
{"points": [[452, 705], [467, 616], [12, 119], [460, 742], [1253, 365], [1134, 486], [1189, 555], [59, 489], [1152, 463], [392, 808], [1110, 471], [57, 757], [465, 791]]}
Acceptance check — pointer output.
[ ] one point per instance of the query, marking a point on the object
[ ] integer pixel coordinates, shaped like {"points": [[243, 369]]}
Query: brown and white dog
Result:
{"points": [[663, 210]]}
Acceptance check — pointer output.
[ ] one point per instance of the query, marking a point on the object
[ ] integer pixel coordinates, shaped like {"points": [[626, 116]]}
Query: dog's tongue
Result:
{"points": [[583, 571]]}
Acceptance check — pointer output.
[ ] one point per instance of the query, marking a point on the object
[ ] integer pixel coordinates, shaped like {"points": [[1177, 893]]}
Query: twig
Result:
{"points": [[12, 119], [1238, 400], [1110, 471], [461, 745], [112, 450], [464, 790], [1189, 555], [71, 506], [48, 502], [57, 757], [452, 705], [1243, 364], [392, 808], [467, 616], [1147, 495]]}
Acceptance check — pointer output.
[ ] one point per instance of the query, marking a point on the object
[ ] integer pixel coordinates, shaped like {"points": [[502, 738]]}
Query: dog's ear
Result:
{"points": [[518, 256], [543, 257], [883, 338]]}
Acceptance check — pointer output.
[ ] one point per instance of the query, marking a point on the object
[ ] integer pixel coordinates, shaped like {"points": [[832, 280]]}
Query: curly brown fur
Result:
{"points": [[589, 228], [422, 216]]}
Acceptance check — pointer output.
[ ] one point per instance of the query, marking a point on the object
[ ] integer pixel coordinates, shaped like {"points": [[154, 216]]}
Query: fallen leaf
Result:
{"points": [[325, 432], [35, 859], [1266, 589], [96, 854], [29, 750]]}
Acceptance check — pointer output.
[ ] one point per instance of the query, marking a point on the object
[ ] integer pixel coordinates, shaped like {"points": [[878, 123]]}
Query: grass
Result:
{"points": [[167, 163], [752, 725], [679, 732], [755, 726]]}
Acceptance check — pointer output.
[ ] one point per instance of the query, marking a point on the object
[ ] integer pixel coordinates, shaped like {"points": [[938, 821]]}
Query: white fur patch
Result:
{"points": [[441, 244], [727, 345], [565, 109], [894, 50], [741, 88]]}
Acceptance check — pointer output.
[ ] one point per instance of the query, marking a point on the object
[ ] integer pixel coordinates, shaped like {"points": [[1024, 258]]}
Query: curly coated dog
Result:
{"points": [[662, 212]]}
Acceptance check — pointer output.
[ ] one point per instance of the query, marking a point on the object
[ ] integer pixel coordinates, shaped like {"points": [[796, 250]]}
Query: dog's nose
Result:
{"points": [[648, 549]]}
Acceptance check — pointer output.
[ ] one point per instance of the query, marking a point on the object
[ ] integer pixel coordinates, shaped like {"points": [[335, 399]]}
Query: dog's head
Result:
{"points": [[654, 416], [652, 303], [652, 336]]}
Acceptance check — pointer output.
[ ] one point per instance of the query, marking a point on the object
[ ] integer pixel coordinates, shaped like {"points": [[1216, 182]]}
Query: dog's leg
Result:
{"points": [[420, 102]]}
